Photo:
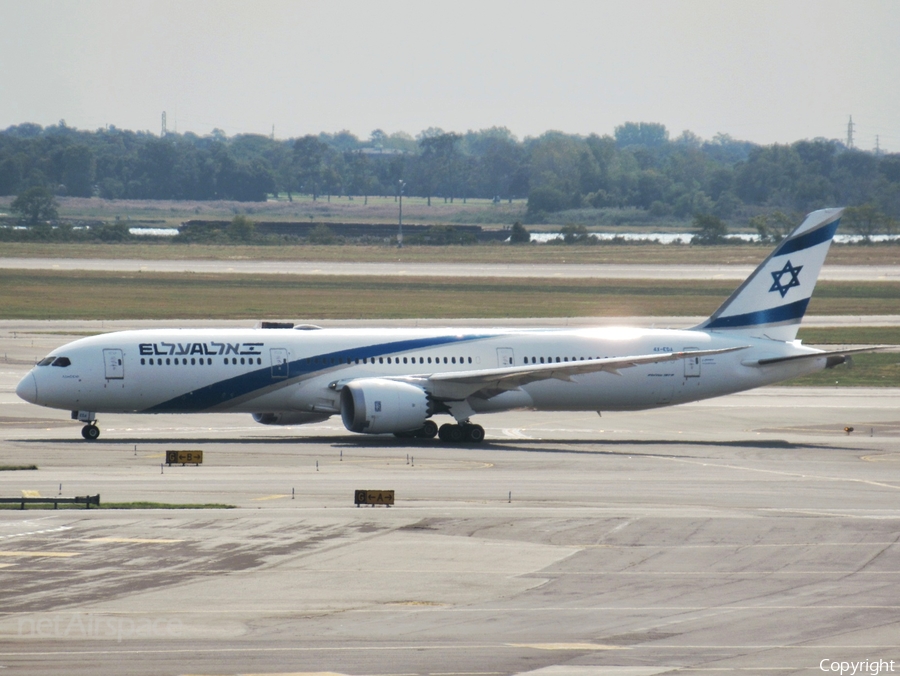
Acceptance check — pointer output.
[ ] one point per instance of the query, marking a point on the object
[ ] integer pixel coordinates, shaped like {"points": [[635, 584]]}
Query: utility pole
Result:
{"points": [[877, 146], [850, 133], [163, 133], [400, 186]]}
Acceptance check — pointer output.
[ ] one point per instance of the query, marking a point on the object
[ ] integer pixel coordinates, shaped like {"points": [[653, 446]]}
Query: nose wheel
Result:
{"points": [[90, 432]]}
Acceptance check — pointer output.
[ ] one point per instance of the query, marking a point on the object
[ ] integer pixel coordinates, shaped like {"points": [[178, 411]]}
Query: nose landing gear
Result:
{"points": [[90, 431]]}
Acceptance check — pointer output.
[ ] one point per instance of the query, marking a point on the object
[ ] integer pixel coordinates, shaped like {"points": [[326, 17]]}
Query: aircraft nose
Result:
{"points": [[27, 389]]}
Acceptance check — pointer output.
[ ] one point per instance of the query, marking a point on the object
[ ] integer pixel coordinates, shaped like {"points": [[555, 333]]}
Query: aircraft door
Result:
{"points": [[691, 364], [279, 356], [113, 364], [505, 357]]}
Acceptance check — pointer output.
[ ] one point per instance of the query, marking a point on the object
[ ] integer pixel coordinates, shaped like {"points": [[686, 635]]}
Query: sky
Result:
{"points": [[759, 70]]}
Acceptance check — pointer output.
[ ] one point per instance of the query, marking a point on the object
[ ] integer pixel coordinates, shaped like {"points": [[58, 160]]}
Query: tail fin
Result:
{"points": [[771, 302]]}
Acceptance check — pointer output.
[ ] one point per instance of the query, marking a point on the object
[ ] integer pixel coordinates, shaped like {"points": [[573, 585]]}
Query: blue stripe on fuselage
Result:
{"points": [[223, 391]]}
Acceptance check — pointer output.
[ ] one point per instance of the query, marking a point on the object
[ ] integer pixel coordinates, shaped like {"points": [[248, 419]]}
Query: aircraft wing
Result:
{"points": [[488, 382]]}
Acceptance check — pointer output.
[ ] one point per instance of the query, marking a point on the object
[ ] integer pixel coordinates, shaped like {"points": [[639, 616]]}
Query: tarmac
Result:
{"points": [[745, 534], [844, 273]]}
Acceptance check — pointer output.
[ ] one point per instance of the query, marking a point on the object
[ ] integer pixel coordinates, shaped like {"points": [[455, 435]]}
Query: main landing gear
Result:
{"points": [[473, 434], [427, 431], [90, 431], [455, 434]]}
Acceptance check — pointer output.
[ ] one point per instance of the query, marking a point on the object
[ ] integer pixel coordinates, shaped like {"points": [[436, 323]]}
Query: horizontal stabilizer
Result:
{"points": [[831, 355]]}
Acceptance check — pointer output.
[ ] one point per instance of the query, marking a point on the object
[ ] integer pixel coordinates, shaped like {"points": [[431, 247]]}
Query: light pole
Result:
{"points": [[400, 186]]}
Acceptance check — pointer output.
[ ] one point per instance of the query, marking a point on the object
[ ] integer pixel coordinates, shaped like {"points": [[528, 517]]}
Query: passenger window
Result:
{"points": [[380, 360], [389, 360], [142, 361], [429, 360], [445, 360], [453, 359], [404, 360], [470, 360], [193, 361], [168, 361], [62, 361]]}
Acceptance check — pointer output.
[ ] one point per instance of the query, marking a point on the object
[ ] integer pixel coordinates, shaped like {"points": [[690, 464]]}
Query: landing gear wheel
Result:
{"points": [[428, 431], [451, 433], [474, 433], [90, 432]]}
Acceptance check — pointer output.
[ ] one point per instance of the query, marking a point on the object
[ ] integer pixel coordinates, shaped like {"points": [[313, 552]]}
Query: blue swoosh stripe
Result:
{"points": [[774, 315], [239, 386], [809, 239]]}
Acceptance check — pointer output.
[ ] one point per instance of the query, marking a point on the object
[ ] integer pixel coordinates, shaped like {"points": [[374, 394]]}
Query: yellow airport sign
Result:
{"points": [[184, 457], [373, 498]]}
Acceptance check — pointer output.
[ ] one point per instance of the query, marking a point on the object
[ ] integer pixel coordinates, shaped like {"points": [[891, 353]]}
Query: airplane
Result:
{"points": [[383, 381]]}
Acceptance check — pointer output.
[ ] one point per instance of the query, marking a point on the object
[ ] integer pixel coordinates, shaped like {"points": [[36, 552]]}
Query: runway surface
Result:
{"points": [[747, 534], [847, 273]]}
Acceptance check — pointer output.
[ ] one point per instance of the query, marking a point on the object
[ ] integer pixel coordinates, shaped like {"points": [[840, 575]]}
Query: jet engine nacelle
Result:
{"points": [[289, 418], [379, 406]]}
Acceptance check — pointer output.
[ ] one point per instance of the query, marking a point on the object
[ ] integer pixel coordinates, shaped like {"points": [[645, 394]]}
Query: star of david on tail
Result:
{"points": [[778, 285]]}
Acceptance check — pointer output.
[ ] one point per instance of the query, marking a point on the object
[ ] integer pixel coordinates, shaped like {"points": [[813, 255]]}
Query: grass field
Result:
{"points": [[653, 254], [41, 294], [120, 505], [878, 369], [172, 213]]}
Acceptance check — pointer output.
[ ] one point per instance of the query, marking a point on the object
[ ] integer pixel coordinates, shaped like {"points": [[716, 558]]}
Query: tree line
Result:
{"points": [[639, 167]]}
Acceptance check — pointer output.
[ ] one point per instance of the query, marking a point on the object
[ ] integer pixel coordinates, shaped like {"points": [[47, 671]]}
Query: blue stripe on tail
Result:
{"points": [[774, 315]]}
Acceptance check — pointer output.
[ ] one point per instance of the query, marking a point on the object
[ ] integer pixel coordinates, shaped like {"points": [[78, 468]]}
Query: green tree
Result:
{"points": [[865, 221], [241, 229], [35, 204], [641, 134], [518, 234], [321, 234], [557, 161], [439, 158], [546, 200], [309, 163], [113, 232], [773, 227], [78, 170], [709, 229], [575, 234]]}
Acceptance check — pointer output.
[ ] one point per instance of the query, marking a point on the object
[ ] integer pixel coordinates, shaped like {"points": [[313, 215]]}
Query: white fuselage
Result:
{"points": [[292, 370]]}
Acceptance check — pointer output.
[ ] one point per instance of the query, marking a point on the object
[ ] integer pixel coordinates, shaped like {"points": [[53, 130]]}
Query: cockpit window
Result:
{"points": [[62, 361], [46, 361]]}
